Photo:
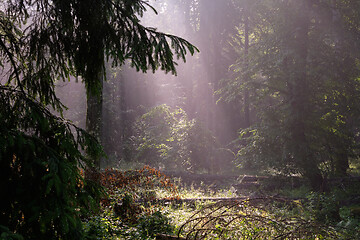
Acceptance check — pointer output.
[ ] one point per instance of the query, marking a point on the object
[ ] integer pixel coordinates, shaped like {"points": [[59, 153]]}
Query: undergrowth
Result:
{"points": [[134, 209], [128, 211]]}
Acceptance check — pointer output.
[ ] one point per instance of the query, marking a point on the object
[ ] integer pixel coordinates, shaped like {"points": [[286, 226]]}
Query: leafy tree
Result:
{"points": [[44, 192], [166, 138]]}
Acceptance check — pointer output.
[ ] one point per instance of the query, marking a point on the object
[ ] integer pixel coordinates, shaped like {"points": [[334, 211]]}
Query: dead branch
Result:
{"points": [[253, 217], [168, 237]]}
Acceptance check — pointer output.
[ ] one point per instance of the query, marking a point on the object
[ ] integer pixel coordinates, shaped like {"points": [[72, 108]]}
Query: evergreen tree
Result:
{"points": [[41, 154], [304, 79]]}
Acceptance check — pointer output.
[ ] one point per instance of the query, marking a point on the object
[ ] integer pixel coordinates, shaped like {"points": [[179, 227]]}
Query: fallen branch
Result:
{"points": [[191, 200], [168, 237], [217, 199], [253, 217]]}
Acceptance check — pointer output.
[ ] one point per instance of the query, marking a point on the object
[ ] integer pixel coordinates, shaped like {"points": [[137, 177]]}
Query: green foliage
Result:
{"points": [[6, 234], [76, 37], [41, 154], [103, 226], [270, 143], [40, 160], [336, 208], [253, 218], [150, 226], [129, 211], [350, 221], [303, 80], [167, 137], [108, 226], [324, 207]]}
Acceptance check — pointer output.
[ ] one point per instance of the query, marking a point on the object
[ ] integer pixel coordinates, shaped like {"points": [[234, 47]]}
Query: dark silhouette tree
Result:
{"points": [[41, 155]]}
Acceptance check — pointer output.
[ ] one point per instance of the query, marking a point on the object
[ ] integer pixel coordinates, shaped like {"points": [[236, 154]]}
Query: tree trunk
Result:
{"points": [[246, 49], [94, 120], [299, 102]]}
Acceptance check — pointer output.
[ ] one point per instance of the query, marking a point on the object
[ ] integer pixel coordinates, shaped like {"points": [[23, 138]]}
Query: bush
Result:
{"points": [[324, 207], [128, 210], [151, 225], [167, 138]]}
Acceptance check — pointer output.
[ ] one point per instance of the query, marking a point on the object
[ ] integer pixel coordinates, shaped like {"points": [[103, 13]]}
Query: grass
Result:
{"points": [[252, 219]]}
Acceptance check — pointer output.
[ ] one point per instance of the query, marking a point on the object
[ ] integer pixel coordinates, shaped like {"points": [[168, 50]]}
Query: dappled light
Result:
{"points": [[179, 119]]}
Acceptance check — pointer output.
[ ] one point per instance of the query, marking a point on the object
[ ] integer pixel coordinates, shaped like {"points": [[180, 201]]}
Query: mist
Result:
{"points": [[128, 94], [255, 134]]}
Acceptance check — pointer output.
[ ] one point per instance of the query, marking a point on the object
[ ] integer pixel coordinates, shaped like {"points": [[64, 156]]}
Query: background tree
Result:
{"points": [[298, 125], [193, 88]]}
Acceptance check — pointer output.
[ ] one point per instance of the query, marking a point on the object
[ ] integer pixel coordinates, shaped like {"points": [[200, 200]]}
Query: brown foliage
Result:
{"points": [[127, 188]]}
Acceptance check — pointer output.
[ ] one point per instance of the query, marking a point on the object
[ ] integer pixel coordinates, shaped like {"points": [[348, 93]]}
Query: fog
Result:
{"points": [[128, 94], [205, 24]]}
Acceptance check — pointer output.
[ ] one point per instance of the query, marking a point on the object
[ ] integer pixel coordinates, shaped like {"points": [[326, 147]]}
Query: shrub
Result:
{"points": [[128, 211], [167, 138]]}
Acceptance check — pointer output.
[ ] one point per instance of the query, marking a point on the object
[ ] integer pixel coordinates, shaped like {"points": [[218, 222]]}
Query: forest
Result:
{"points": [[179, 119]]}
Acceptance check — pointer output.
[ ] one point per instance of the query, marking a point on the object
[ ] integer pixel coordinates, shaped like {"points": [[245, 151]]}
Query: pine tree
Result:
{"points": [[41, 155]]}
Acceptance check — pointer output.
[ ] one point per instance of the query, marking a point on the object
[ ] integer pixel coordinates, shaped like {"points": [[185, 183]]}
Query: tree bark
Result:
{"points": [[94, 119]]}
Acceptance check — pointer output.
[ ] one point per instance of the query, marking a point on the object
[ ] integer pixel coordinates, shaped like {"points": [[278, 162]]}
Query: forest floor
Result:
{"points": [[150, 205]]}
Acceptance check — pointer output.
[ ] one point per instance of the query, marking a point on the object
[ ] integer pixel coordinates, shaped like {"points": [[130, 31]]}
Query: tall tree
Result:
{"points": [[236, 87], [305, 115], [40, 42], [116, 33], [298, 88]]}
